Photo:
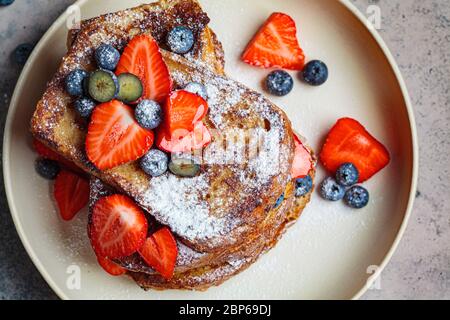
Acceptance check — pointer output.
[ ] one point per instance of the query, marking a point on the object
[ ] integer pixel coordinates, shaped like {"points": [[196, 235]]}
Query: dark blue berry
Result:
{"points": [[103, 85], [303, 186], [6, 2], [331, 190], [148, 114], [75, 82], [180, 40], [347, 175], [357, 197], [47, 169], [107, 57], [279, 83], [22, 52], [279, 201], [315, 73], [198, 89], [85, 106], [155, 163]]}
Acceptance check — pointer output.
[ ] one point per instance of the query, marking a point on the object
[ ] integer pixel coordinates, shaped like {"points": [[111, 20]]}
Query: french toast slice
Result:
{"points": [[226, 203]]}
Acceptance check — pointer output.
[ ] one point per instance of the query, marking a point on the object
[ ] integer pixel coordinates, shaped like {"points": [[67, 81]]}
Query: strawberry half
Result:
{"points": [[48, 153], [118, 227], [160, 252], [114, 137], [275, 45], [183, 129], [142, 58], [303, 161], [349, 141], [111, 267], [71, 193]]}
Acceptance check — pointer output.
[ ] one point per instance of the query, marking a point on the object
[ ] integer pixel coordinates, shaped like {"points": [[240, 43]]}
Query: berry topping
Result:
{"points": [[279, 83], [357, 197], [103, 85], [315, 73], [111, 267], [275, 45], [74, 82], [347, 175], [84, 106], [130, 88], [184, 166], [148, 114], [154, 163], [47, 169], [142, 58], [22, 52], [303, 161], [197, 88], [349, 142], [182, 129], [160, 252], [331, 190], [6, 2], [118, 227], [71, 193], [279, 201], [107, 57], [303, 186], [114, 137], [180, 40]]}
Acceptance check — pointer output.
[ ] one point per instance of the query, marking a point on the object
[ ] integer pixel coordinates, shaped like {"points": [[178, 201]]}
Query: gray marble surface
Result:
{"points": [[418, 34]]}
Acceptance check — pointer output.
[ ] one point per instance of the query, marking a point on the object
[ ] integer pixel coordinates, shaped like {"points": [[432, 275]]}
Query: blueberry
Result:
{"points": [[6, 2], [103, 85], [148, 114], [85, 106], [107, 57], [184, 166], [279, 201], [279, 83], [47, 169], [331, 190], [180, 40], [347, 175], [315, 73], [357, 197], [75, 82], [22, 52], [155, 163], [198, 89], [303, 186]]}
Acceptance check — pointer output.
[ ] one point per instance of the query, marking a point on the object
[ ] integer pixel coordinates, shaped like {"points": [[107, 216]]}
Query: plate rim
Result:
{"points": [[351, 8]]}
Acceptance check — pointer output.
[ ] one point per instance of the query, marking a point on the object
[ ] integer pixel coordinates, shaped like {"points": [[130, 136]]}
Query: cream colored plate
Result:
{"points": [[332, 250]]}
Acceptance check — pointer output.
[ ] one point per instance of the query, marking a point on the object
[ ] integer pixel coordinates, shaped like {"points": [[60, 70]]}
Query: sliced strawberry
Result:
{"points": [[118, 227], [112, 268], [142, 58], [303, 161], [48, 153], [160, 252], [276, 45], [71, 193], [195, 140], [114, 137], [349, 141]]}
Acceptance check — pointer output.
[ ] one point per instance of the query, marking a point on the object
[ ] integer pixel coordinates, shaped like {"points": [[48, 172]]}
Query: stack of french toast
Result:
{"points": [[228, 190]]}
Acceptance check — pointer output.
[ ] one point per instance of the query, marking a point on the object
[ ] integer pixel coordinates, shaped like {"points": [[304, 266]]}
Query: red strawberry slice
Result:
{"points": [[160, 252], [303, 161], [114, 137], [112, 268], [142, 58], [276, 45], [349, 141], [48, 153], [189, 141], [71, 193], [118, 227]]}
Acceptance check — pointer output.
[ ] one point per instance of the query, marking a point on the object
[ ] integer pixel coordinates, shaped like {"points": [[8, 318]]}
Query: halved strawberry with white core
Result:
{"points": [[114, 136], [275, 45], [142, 58], [160, 252], [71, 193], [111, 267], [303, 161], [118, 227]]}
